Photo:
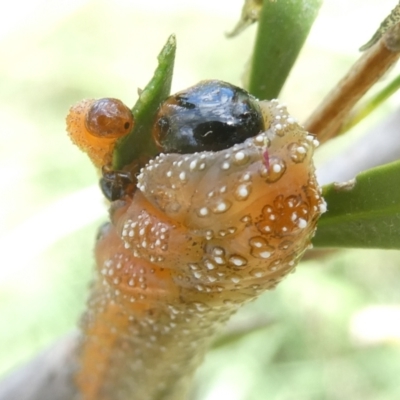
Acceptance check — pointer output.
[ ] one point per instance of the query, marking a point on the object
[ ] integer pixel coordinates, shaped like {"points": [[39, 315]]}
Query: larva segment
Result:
{"points": [[95, 126], [203, 234]]}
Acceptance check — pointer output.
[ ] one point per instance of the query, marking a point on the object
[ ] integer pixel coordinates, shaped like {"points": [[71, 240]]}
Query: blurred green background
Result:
{"points": [[336, 322]]}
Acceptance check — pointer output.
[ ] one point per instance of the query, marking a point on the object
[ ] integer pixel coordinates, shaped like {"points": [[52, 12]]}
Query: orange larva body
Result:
{"points": [[203, 234], [95, 125]]}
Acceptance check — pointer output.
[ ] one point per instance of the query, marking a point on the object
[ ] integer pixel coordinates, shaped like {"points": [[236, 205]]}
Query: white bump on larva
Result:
{"points": [[276, 168], [235, 279], [291, 120], [142, 232], [169, 174], [301, 150], [127, 245], [257, 243], [259, 139], [246, 176], [278, 127], [239, 156], [272, 217], [219, 260], [225, 165], [322, 207], [193, 165], [242, 192], [211, 278], [202, 166], [203, 211], [265, 254], [223, 189], [237, 261], [131, 233], [293, 217], [221, 207], [301, 223], [197, 274], [182, 176], [209, 265], [291, 263], [218, 251], [315, 143]]}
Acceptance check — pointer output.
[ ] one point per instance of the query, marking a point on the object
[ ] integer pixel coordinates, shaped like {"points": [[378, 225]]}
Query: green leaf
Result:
{"points": [[283, 27], [139, 142], [365, 214]]}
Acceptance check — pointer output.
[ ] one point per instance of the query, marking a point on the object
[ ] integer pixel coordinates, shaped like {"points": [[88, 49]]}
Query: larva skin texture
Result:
{"points": [[203, 234]]}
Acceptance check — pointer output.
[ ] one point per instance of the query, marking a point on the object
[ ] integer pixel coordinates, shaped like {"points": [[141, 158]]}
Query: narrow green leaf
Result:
{"points": [[283, 27], [365, 214], [139, 143]]}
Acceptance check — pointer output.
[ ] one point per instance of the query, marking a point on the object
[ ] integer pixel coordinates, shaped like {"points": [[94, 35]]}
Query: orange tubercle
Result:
{"points": [[95, 126]]}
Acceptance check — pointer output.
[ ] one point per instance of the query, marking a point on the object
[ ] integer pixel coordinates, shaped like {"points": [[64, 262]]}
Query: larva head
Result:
{"points": [[212, 115], [95, 125]]}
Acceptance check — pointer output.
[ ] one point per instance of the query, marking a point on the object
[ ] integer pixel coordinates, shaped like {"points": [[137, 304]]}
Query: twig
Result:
{"points": [[328, 118]]}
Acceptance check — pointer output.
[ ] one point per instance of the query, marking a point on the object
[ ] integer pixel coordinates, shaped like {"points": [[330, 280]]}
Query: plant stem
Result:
{"points": [[327, 120]]}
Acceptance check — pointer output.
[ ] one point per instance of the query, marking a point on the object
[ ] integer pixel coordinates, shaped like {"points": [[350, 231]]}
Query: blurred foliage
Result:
{"points": [[55, 54]]}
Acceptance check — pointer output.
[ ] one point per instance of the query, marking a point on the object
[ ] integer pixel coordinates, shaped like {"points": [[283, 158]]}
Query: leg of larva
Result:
{"points": [[203, 234]]}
